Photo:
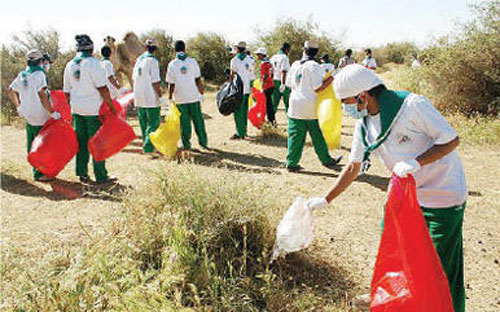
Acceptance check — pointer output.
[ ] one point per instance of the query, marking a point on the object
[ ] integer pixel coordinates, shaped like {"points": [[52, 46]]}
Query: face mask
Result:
{"points": [[352, 109], [46, 67]]}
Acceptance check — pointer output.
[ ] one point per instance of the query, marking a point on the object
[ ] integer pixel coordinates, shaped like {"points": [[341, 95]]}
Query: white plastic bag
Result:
{"points": [[295, 230]]}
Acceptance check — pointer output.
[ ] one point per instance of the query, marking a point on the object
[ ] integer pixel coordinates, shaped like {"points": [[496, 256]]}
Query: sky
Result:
{"points": [[358, 24]]}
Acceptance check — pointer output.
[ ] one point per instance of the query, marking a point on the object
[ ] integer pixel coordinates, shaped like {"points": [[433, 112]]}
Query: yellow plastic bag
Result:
{"points": [[257, 85], [329, 111], [167, 135]]}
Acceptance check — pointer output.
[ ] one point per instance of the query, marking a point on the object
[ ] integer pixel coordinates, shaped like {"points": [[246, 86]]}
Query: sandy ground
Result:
{"points": [[42, 217]]}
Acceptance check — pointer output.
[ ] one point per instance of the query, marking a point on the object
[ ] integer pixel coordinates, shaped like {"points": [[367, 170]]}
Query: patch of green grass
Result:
{"points": [[187, 242]]}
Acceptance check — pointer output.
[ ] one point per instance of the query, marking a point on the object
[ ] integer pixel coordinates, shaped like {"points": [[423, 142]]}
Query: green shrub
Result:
{"points": [[211, 51]]}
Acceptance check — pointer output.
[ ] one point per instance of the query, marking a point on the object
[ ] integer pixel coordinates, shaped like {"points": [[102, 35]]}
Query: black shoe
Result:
{"points": [[44, 178], [294, 168], [236, 137], [108, 180], [85, 179], [334, 163]]}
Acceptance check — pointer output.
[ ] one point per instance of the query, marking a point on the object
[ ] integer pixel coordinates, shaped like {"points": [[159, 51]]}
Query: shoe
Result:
{"points": [[294, 168], [109, 179], [361, 302], [334, 163], [236, 137], [85, 179], [44, 178]]}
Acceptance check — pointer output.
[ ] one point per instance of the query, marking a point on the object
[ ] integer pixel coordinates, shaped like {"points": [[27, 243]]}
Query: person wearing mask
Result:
{"points": [[281, 66], [147, 93], [114, 87], [369, 61], [241, 65], [85, 88], [346, 59], [409, 136], [266, 76], [28, 93], [306, 79], [185, 88]]}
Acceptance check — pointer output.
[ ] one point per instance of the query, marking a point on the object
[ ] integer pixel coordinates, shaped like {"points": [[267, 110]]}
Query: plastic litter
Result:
{"points": [[166, 137], [114, 134]]}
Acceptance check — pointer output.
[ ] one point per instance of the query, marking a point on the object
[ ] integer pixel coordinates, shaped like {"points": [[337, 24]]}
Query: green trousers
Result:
{"points": [[445, 227], [85, 128], [192, 112], [241, 117], [297, 130], [149, 121], [277, 96], [31, 133]]}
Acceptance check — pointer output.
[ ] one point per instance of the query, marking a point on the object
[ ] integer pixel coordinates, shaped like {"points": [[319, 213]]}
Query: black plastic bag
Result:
{"points": [[230, 96]]}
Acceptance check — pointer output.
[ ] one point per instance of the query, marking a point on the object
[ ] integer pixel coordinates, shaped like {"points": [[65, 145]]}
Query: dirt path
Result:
{"points": [[40, 217]]}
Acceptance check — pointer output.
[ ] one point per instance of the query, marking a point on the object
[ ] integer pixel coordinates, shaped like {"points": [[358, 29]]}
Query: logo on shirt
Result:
{"points": [[140, 71], [77, 74], [183, 70], [298, 78], [247, 66], [404, 139]]}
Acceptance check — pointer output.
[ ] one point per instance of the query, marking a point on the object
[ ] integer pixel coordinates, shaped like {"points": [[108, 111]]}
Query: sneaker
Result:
{"points": [[334, 163], [294, 168], [361, 302], [44, 178], [84, 179], [109, 179], [236, 137]]}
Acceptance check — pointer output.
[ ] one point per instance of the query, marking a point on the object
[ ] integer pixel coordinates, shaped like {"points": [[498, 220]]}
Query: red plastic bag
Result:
{"points": [[125, 100], [60, 105], [53, 147], [257, 113], [408, 273], [114, 134], [105, 112]]}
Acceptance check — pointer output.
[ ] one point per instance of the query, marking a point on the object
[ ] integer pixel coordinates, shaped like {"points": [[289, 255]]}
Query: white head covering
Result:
{"points": [[151, 42], [262, 51], [241, 44], [33, 55], [354, 79], [311, 44]]}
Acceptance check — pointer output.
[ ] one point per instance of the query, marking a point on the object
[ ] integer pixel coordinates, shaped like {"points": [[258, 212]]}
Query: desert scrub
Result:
{"points": [[187, 242]]}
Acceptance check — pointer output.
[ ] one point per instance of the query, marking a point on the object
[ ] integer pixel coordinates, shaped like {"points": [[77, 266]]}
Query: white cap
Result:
{"points": [[354, 79], [262, 51], [151, 42], [241, 44], [34, 55], [311, 44]]}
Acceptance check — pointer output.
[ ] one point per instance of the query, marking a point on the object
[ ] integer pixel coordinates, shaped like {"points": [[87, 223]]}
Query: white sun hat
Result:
{"points": [[262, 51], [354, 79]]}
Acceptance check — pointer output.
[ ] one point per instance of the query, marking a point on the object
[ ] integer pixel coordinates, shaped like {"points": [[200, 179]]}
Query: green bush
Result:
{"points": [[296, 32], [210, 50]]}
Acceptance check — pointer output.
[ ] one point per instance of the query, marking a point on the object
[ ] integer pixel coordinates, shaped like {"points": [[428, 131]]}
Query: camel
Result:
{"points": [[124, 54]]}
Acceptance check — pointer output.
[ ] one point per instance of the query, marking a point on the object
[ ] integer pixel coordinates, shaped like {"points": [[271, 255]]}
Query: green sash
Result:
{"points": [[181, 56], [390, 104], [241, 55], [147, 54], [81, 56]]}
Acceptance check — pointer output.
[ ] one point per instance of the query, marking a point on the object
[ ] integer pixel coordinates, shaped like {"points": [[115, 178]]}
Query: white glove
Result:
{"points": [[316, 203], [122, 90], [403, 168], [55, 115], [163, 102], [202, 98], [282, 88]]}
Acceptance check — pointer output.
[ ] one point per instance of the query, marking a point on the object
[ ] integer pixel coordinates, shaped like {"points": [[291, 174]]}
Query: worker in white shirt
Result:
{"points": [[409, 136], [326, 64], [281, 66], [346, 59], [369, 61], [252, 64], [114, 87], [28, 93], [185, 88], [241, 65], [147, 93], [415, 62], [306, 79], [85, 89]]}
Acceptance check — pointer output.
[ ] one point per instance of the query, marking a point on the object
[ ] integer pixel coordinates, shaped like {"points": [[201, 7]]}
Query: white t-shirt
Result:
{"points": [[146, 72], [252, 64], [245, 70], [418, 127], [107, 66], [183, 74], [81, 82], [280, 64], [369, 62], [28, 87], [303, 79]]}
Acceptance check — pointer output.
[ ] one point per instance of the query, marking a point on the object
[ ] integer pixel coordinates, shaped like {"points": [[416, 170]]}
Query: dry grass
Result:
{"points": [[195, 234]]}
